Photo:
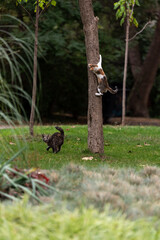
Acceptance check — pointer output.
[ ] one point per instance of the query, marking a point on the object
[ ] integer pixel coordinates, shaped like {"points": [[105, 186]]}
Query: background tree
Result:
{"points": [[95, 120], [144, 71], [39, 4], [125, 12]]}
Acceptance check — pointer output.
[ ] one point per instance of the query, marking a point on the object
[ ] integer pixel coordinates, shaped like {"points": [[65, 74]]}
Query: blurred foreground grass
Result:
{"points": [[22, 221]]}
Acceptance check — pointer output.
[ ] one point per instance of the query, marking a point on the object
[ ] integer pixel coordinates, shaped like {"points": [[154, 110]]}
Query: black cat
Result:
{"points": [[54, 141]]}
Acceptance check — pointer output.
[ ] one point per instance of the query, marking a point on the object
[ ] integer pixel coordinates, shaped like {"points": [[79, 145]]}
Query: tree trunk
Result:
{"points": [[95, 119], [134, 54], [125, 72], [139, 96], [34, 89]]}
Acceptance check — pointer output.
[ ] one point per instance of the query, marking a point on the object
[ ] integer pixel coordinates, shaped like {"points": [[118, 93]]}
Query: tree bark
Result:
{"points": [[139, 96], [95, 119], [34, 89], [125, 72]]}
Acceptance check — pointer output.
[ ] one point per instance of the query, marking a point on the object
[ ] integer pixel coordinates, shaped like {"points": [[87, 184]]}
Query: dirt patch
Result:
{"points": [[136, 121]]}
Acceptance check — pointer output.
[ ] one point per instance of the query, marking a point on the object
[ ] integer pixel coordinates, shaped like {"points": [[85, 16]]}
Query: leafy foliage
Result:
{"points": [[125, 9], [42, 3]]}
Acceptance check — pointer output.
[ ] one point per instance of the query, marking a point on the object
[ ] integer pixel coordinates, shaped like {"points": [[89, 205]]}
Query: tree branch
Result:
{"points": [[132, 9], [27, 13], [149, 22]]}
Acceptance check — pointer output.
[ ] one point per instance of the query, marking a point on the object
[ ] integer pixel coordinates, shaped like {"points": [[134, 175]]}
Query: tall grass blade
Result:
{"points": [[14, 156], [8, 196]]}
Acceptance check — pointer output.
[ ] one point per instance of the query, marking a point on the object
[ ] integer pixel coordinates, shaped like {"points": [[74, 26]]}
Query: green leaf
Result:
{"points": [[122, 21], [135, 22], [119, 13], [116, 5], [137, 3], [53, 2], [131, 18], [41, 5], [122, 9]]}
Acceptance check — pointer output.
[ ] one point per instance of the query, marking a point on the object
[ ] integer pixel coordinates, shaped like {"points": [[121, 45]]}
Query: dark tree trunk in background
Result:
{"points": [[95, 119], [34, 89], [134, 54], [144, 76]]}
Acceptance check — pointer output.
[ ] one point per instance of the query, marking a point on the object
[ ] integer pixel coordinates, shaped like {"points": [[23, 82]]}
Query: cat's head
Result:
{"points": [[45, 137]]}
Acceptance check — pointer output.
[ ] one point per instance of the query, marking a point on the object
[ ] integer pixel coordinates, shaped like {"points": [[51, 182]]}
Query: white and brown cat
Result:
{"points": [[103, 85]]}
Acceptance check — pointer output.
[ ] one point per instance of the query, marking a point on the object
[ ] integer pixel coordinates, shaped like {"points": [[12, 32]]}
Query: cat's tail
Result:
{"points": [[113, 91], [61, 130]]}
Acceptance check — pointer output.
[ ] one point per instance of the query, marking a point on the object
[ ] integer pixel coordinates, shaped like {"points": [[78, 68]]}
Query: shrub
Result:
{"points": [[23, 221]]}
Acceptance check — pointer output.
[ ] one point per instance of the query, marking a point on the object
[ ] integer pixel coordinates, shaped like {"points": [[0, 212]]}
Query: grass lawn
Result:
{"points": [[129, 146]]}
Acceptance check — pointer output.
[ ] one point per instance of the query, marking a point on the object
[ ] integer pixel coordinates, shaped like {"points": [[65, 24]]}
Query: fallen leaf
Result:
{"points": [[87, 158], [107, 144], [147, 144]]}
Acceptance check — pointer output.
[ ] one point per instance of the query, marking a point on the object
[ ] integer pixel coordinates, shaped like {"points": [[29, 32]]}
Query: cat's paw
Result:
{"points": [[116, 89], [98, 94]]}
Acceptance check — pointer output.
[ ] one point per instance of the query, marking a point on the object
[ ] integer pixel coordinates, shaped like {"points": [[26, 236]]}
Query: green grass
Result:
{"points": [[23, 221], [124, 147]]}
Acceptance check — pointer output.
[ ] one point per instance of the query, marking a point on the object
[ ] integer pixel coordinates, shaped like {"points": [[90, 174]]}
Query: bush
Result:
{"points": [[23, 221]]}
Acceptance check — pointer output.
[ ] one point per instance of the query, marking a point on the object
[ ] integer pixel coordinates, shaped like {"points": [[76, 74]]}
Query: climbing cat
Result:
{"points": [[103, 85], [54, 141]]}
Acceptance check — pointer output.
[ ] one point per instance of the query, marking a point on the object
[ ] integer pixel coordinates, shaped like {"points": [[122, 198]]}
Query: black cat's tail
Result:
{"points": [[61, 130]]}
